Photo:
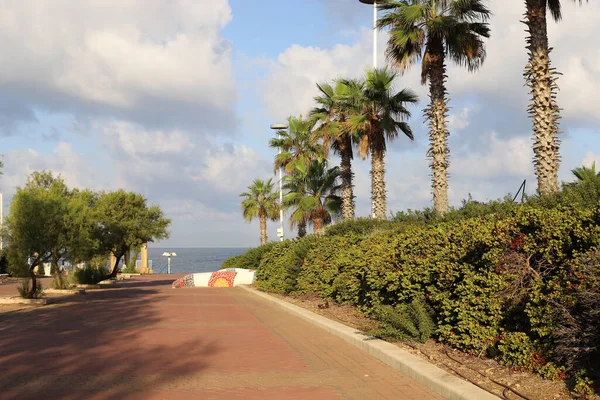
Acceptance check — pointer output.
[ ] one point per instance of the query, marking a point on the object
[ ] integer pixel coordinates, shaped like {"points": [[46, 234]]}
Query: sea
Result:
{"points": [[190, 260]]}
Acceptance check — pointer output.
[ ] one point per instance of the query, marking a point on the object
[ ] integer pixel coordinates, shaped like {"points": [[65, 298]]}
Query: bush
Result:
{"points": [[24, 289], [250, 259], [90, 275], [279, 268], [404, 322], [363, 227]]}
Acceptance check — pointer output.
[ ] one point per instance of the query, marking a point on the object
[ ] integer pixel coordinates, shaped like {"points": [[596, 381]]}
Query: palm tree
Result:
{"points": [[260, 201], [585, 174], [431, 31], [312, 194], [330, 118], [541, 79], [297, 145], [379, 116]]}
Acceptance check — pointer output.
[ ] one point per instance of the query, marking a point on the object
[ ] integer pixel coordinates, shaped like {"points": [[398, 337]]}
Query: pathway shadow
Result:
{"points": [[105, 343]]}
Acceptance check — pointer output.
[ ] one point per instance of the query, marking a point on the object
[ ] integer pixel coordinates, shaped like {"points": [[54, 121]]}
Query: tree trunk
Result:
{"points": [[33, 277], [378, 183], [301, 229], [318, 225], [543, 109], [115, 268], [263, 228], [436, 114], [346, 175], [55, 270]]}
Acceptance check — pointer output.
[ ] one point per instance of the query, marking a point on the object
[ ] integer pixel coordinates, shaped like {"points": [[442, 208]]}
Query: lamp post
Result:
{"points": [[374, 2], [278, 128], [169, 255]]}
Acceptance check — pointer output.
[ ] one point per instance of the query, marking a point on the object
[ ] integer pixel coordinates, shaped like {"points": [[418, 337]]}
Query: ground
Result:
{"points": [[455, 362], [144, 340]]}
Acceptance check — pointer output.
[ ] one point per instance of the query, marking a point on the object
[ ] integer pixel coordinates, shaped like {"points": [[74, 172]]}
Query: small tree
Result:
{"points": [[36, 222], [260, 201], [124, 222]]}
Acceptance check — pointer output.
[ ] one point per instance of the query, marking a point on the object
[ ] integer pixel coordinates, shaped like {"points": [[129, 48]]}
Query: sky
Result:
{"points": [[174, 98]]}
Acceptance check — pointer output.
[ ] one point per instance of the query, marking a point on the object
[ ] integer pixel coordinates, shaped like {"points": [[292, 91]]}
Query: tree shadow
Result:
{"points": [[106, 342]]}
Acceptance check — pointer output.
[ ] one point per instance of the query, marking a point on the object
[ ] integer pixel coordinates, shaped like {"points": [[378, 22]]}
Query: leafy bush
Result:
{"points": [[24, 289], [279, 268], [404, 322], [250, 259], [362, 226], [89, 275]]}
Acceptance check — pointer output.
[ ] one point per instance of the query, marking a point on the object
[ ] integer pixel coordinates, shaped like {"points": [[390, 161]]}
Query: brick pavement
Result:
{"points": [[144, 340]]}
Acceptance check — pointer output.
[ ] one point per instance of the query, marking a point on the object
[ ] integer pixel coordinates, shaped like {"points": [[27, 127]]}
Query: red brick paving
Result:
{"points": [[144, 340]]}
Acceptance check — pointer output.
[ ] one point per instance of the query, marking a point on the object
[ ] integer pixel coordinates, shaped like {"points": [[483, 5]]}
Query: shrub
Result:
{"points": [[24, 289], [404, 322], [279, 268], [363, 227], [89, 275], [250, 259]]}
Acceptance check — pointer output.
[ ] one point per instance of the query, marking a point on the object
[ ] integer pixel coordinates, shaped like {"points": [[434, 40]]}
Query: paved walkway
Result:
{"points": [[145, 340]]}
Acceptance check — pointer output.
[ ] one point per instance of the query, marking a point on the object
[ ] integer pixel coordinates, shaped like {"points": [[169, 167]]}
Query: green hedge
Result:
{"points": [[250, 259]]}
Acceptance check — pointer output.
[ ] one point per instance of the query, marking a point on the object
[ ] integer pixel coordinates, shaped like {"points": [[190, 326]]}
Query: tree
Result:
{"points": [[378, 117], [260, 201], [431, 31], [124, 221], [541, 79], [584, 173], [312, 194], [297, 145], [36, 222], [330, 118]]}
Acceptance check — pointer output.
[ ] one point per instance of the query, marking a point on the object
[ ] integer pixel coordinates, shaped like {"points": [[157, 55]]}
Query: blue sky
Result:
{"points": [[173, 99]]}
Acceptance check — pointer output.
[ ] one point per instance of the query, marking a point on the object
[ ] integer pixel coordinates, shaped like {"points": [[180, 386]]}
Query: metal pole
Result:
{"points": [[375, 34], [169, 265], [281, 200]]}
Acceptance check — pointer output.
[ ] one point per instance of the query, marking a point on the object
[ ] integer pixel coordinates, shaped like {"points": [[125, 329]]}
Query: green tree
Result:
{"points": [[260, 201], [297, 145], [584, 173], [312, 194], [541, 79], [125, 222], [432, 31], [35, 222], [334, 105], [379, 116]]}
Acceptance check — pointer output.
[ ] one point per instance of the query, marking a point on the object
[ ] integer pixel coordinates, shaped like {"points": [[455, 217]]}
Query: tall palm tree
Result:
{"points": [[586, 174], [297, 145], [330, 118], [260, 201], [541, 79], [379, 116], [432, 31], [312, 194]]}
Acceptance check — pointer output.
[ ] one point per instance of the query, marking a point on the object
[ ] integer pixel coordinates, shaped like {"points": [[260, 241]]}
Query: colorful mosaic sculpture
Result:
{"points": [[224, 278]]}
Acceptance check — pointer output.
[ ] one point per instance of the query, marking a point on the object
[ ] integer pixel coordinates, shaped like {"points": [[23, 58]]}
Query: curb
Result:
{"points": [[20, 300], [434, 378], [64, 291]]}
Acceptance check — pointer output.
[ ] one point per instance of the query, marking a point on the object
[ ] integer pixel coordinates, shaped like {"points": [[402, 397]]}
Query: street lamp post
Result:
{"points": [[374, 2], [280, 127], [169, 255]]}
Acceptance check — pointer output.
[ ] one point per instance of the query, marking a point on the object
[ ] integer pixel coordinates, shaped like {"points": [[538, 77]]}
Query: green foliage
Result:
{"points": [[280, 267], [404, 322], [363, 226], [27, 293], [89, 275], [250, 259], [583, 384], [17, 264]]}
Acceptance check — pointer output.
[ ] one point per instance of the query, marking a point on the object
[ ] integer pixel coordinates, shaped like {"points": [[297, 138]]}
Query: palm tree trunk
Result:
{"points": [[436, 113], [346, 175], [318, 225], [263, 228], [543, 109], [378, 182], [302, 229]]}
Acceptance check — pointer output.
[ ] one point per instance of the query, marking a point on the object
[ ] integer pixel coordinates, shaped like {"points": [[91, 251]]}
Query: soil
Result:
{"points": [[480, 371]]}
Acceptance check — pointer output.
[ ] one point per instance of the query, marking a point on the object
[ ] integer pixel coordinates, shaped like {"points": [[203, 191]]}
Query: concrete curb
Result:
{"points": [[64, 291], [83, 286], [20, 300], [434, 378]]}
